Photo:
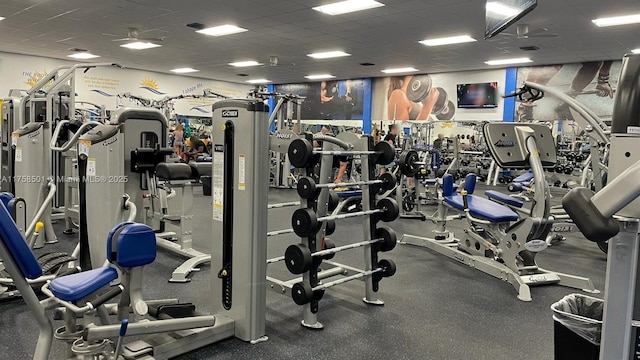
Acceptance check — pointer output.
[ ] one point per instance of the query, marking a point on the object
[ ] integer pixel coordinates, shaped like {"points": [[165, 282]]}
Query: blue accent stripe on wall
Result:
{"points": [[272, 104], [510, 86], [367, 106]]}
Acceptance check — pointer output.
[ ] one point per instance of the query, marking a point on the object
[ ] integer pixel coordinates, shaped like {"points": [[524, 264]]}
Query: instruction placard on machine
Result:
{"points": [[241, 171], [217, 182]]}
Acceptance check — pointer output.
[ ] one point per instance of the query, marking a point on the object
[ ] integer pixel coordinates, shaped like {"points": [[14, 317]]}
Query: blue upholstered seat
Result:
{"points": [[482, 208], [77, 286], [346, 194], [524, 178], [504, 198], [17, 246]]}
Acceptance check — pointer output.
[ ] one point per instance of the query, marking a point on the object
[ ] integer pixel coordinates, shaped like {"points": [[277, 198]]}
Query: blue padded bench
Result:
{"points": [[524, 178], [504, 198], [478, 207]]}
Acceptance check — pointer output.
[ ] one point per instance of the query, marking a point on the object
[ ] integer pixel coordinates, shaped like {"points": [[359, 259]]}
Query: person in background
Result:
{"points": [[437, 143], [332, 102], [391, 139], [196, 149], [399, 106], [178, 140], [322, 132]]}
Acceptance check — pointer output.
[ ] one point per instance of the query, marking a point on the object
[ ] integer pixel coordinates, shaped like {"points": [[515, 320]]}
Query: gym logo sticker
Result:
{"points": [[284, 136], [151, 85], [535, 245], [505, 143], [447, 125], [229, 113]]}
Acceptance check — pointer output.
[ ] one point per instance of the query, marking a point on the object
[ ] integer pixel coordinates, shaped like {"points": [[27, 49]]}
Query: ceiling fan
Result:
{"points": [[133, 35], [523, 32]]}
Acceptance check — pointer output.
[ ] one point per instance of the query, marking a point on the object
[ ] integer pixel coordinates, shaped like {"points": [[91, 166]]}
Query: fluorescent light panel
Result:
{"points": [[140, 45], [328, 54], [501, 9], [636, 51], [245, 63], [448, 40], [83, 55], [222, 30], [617, 20], [1, 18], [343, 7], [399, 70], [258, 81], [183, 70], [319, 77], [508, 61]]}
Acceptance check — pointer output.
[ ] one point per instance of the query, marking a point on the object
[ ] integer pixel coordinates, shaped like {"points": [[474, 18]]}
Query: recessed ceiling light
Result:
{"points": [[508, 61], [617, 20], [328, 54], [258, 81], [501, 9], [399, 70], [83, 55], [319, 76], [343, 7], [448, 40], [1, 18], [245, 63], [222, 30], [183, 70], [140, 45], [636, 51]]}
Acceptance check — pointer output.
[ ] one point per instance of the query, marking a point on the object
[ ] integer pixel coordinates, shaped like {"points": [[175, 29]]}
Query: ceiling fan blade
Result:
{"points": [[544, 35], [150, 39], [124, 39]]}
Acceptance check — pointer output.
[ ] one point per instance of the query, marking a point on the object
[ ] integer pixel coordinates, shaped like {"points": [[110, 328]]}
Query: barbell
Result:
{"points": [[308, 189], [305, 222], [302, 292], [329, 229], [299, 259], [301, 153]]}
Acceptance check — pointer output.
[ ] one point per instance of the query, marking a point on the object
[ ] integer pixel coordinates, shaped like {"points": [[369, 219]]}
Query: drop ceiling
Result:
{"points": [[387, 36]]}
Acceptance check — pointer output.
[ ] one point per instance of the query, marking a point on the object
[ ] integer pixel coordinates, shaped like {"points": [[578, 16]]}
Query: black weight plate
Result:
{"points": [[304, 222], [307, 188], [388, 266], [302, 293], [390, 208], [386, 153], [449, 113], [568, 170], [441, 103], [419, 88], [408, 163], [298, 258], [300, 153], [329, 244], [334, 201], [389, 236], [330, 227], [408, 203], [388, 181]]}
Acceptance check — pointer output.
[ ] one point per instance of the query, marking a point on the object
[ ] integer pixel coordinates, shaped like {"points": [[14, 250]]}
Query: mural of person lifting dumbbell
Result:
{"points": [[581, 76], [413, 97]]}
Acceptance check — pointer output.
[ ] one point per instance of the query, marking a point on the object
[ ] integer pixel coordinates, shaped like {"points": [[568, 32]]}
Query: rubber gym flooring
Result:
{"points": [[436, 308]]}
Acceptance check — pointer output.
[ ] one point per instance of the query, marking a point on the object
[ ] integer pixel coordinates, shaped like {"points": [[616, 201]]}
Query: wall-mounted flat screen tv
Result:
{"points": [[478, 96]]}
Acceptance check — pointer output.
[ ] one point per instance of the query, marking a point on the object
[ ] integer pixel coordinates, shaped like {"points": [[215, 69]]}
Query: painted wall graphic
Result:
{"points": [[591, 83], [102, 85], [329, 100], [433, 97]]}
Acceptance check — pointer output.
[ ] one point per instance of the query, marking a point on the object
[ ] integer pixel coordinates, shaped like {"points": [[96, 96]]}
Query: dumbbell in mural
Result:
{"points": [[418, 90]]}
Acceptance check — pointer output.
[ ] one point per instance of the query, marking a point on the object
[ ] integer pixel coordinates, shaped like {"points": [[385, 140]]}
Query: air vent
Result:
{"points": [[529, 48], [78, 50], [243, 75], [367, 64], [196, 26]]}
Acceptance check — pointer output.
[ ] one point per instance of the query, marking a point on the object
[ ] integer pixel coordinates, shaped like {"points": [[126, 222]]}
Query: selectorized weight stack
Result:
{"points": [[311, 222]]}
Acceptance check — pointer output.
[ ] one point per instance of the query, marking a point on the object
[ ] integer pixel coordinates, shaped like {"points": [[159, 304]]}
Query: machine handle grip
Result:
{"points": [[123, 327], [102, 299]]}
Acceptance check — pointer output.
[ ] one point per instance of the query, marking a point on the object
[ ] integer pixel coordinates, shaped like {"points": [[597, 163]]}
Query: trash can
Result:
{"points": [[577, 327]]}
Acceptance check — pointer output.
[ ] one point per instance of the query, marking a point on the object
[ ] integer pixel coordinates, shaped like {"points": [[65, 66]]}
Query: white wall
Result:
{"points": [[100, 85], [449, 82]]}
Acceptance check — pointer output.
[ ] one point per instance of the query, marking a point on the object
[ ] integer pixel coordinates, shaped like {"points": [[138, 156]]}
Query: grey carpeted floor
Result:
{"points": [[436, 308]]}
